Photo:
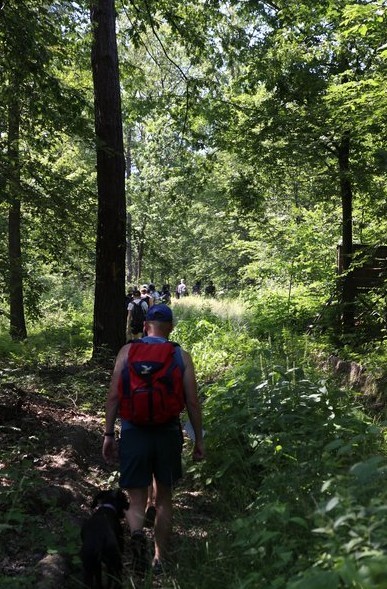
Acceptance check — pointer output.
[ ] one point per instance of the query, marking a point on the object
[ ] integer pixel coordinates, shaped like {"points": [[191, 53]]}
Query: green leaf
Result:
{"points": [[300, 521], [367, 469], [316, 580]]}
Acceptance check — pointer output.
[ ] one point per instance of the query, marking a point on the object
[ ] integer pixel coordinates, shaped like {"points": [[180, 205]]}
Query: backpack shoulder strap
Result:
{"points": [[125, 372], [179, 357]]}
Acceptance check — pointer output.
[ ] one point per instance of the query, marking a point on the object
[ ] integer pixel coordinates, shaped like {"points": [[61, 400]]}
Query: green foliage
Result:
{"points": [[272, 446], [48, 168], [294, 471], [297, 472], [235, 114], [63, 335], [233, 117], [278, 311], [215, 343]]}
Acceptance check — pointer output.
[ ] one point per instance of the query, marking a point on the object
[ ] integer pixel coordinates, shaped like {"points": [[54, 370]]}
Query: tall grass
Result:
{"points": [[225, 309]]}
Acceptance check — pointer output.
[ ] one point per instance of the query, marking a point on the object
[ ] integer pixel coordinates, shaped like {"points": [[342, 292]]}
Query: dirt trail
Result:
{"points": [[51, 467]]}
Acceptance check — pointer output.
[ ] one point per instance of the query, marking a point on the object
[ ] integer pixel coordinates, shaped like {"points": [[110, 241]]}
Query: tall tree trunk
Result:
{"points": [[18, 329], [348, 292], [109, 308]]}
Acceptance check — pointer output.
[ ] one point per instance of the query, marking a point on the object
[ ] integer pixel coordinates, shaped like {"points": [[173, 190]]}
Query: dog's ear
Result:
{"points": [[99, 498], [122, 501]]}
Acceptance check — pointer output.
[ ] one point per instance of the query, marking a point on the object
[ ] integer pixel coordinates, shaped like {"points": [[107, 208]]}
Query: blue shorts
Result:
{"points": [[150, 451]]}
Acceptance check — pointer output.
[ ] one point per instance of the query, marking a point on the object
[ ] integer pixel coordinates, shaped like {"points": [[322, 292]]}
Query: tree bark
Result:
{"points": [[18, 329], [109, 308]]}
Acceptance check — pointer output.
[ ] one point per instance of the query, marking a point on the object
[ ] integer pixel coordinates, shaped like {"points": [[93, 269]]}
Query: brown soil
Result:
{"points": [[50, 469]]}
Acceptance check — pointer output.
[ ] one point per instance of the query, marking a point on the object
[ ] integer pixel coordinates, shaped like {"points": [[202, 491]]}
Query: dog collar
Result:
{"points": [[109, 505]]}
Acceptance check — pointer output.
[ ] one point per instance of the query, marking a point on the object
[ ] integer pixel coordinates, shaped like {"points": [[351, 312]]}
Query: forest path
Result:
{"points": [[53, 454]]}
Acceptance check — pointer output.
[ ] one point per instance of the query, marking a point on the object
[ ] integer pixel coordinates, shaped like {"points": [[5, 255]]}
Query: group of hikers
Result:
{"points": [[137, 302], [152, 382], [139, 299], [197, 289]]}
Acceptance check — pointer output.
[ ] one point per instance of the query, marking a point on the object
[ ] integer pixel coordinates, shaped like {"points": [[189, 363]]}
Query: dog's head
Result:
{"points": [[116, 499]]}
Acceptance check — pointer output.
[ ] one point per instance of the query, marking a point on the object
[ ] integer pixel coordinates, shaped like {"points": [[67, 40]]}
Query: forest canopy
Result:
{"points": [[253, 136]]}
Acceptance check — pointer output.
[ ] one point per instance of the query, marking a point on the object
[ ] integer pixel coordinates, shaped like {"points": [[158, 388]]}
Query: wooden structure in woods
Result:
{"points": [[367, 271], [368, 266]]}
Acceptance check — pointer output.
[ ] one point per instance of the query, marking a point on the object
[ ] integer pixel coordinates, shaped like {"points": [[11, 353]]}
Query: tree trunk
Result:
{"points": [[348, 292], [109, 308], [18, 329]]}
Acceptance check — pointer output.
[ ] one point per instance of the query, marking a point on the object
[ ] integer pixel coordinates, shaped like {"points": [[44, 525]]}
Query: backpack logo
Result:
{"points": [[151, 388], [145, 369]]}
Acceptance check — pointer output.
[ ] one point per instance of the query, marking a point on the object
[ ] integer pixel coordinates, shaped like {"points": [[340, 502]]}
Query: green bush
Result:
{"points": [[272, 311], [295, 471], [283, 453]]}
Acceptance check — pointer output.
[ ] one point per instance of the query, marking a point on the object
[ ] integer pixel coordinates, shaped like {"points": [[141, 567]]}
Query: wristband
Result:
{"points": [[109, 435]]}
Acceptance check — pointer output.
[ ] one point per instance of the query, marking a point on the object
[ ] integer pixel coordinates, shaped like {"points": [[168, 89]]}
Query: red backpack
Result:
{"points": [[151, 388]]}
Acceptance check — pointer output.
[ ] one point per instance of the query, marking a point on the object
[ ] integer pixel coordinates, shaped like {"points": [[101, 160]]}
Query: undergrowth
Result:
{"points": [[303, 473], [295, 471]]}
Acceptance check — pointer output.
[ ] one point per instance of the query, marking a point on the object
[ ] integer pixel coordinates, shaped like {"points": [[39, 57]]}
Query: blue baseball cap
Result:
{"points": [[159, 312]]}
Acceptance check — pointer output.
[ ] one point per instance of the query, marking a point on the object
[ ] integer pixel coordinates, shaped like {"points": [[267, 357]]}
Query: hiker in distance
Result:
{"points": [[181, 289], [150, 445], [137, 309]]}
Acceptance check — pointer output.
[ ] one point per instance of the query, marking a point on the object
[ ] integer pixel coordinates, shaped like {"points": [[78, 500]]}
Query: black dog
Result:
{"points": [[102, 540]]}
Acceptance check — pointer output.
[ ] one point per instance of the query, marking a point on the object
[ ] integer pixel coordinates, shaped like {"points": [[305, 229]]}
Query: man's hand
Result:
{"points": [[109, 450], [198, 451]]}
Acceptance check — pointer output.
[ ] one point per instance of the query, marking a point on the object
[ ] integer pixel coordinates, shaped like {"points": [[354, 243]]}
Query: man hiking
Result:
{"points": [[137, 309], [181, 289], [151, 439]]}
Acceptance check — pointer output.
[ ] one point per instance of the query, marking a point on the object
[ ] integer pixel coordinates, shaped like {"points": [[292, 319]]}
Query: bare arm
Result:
{"points": [[128, 322], [193, 405], [111, 407]]}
